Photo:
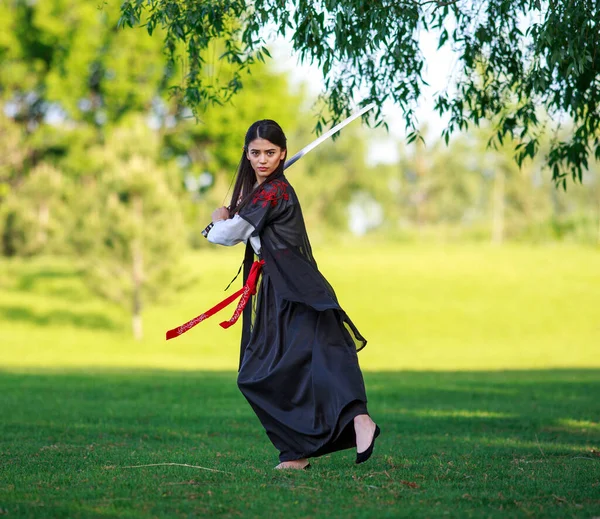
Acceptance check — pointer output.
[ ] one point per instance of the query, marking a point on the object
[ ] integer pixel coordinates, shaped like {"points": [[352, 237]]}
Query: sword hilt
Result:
{"points": [[207, 229]]}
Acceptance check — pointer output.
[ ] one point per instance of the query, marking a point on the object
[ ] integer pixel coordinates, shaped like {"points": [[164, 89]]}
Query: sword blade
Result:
{"points": [[312, 146], [326, 136]]}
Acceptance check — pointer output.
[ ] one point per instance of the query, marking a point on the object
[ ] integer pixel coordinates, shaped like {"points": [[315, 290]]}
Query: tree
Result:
{"points": [[35, 214], [13, 154], [70, 78], [67, 60], [515, 58], [130, 230], [468, 191], [67, 75]]}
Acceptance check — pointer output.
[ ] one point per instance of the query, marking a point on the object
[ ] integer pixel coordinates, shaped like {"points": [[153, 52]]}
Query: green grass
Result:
{"points": [[421, 308], [484, 444], [482, 369]]}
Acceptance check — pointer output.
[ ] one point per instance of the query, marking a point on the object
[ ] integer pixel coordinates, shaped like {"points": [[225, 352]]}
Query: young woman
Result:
{"points": [[298, 364]]}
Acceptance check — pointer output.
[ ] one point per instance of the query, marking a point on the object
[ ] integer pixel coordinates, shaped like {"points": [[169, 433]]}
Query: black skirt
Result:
{"points": [[300, 374]]}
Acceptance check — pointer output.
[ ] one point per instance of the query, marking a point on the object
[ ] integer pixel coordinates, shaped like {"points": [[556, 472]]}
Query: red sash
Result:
{"points": [[246, 291]]}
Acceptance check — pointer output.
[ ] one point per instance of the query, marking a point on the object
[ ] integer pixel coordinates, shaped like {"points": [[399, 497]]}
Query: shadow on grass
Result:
{"points": [[29, 281], [63, 281], [463, 444], [90, 320]]}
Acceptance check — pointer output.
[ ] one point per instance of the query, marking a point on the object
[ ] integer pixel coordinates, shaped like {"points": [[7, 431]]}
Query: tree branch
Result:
{"points": [[438, 3]]}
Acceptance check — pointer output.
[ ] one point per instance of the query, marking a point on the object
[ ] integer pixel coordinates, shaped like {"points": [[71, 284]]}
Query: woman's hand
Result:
{"points": [[222, 213]]}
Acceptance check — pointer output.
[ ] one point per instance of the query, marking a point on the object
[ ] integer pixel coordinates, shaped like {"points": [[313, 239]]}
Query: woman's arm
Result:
{"points": [[231, 231]]}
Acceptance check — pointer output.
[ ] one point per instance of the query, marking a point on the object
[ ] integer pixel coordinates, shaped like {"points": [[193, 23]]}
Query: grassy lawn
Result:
{"points": [[483, 444], [482, 369], [421, 308]]}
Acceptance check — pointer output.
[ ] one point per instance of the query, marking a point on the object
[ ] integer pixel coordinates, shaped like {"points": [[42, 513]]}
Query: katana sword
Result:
{"points": [[326, 136], [313, 145]]}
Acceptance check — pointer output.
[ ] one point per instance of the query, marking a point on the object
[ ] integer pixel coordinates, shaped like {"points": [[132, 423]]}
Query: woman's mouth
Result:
{"points": [[262, 169]]}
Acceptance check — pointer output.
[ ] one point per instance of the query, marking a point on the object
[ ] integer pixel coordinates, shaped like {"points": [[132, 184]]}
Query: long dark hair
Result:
{"points": [[246, 178]]}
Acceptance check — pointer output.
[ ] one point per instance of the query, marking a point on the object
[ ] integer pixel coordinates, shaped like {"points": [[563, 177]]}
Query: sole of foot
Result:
{"points": [[292, 466]]}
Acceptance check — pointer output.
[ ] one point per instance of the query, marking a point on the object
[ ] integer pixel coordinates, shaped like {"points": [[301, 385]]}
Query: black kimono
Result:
{"points": [[298, 362]]}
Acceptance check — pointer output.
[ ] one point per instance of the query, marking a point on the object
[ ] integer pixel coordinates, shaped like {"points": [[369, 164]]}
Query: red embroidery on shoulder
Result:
{"points": [[271, 193]]}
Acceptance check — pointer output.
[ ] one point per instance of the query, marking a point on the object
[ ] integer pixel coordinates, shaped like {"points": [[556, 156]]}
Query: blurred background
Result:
{"points": [[445, 256]]}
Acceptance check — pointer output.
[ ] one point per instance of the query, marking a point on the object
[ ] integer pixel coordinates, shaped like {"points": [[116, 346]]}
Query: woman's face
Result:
{"points": [[264, 156]]}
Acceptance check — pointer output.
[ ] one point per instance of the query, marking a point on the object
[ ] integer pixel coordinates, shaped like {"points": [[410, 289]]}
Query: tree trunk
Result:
{"points": [[137, 271], [420, 196], [598, 211], [498, 208], [137, 326], [43, 221], [137, 293]]}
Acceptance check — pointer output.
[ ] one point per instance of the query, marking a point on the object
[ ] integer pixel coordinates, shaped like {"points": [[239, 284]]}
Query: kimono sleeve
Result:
{"points": [[230, 232], [266, 204]]}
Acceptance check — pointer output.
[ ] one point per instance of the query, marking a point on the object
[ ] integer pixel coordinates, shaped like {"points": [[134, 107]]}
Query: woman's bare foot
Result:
{"points": [[295, 464], [364, 428]]}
